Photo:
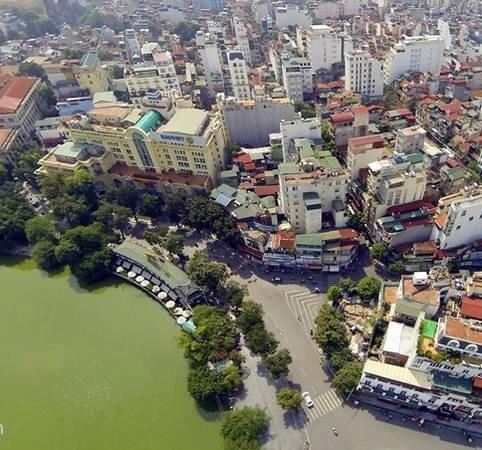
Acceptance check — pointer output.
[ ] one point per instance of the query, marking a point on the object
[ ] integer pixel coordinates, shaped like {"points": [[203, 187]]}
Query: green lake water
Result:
{"points": [[91, 370]]}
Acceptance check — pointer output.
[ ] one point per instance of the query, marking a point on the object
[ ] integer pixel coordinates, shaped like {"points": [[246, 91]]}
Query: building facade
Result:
{"points": [[363, 74], [239, 75]]}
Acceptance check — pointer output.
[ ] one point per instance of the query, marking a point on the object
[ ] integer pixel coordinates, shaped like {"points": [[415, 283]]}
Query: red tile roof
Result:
{"points": [[342, 117], [348, 233], [407, 207], [243, 158], [363, 140], [13, 90], [265, 190], [284, 240], [471, 307]]}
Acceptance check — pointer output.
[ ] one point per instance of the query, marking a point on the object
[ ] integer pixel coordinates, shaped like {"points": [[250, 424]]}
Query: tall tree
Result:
{"points": [[206, 273], [40, 228], [243, 428], [278, 363]]}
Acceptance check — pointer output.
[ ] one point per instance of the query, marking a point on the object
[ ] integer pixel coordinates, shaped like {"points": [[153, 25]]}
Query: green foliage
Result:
{"points": [[340, 358], [368, 288], [127, 196], [175, 207], [346, 284], [305, 110], [43, 254], [235, 293], [251, 315], [174, 244], [334, 294], [30, 69], [40, 228], [214, 339], [74, 210], [186, 31], [150, 205], [380, 251], [204, 384], [278, 363], [84, 249], [207, 273], [357, 222], [243, 428], [53, 186], [348, 377], [26, 162], [330, 333], [72, 53], [397, 268], [14, 212], [97, 19], [157, 235], [38, 23], [289, 399], [113, 216], [260, 341]]}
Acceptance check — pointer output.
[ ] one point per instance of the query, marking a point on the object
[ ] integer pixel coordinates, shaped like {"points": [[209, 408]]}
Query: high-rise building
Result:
{"points": [[242, 39], [323, 46], [91, 75], [239, 75], [211, 58], [414, 54], [297, 77], [457, 221], [250, 122], [363, 74], [131, 45]]}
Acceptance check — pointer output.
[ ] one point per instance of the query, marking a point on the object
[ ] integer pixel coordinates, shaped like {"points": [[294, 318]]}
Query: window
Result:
{"points": [[471, 218]]}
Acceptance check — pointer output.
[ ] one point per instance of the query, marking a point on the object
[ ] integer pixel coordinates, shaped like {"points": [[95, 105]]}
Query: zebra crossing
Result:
{"points": [[304, 305], [324, 404]]}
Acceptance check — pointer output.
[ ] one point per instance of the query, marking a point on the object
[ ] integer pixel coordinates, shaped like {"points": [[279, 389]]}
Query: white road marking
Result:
{"points": [[324, 404]]}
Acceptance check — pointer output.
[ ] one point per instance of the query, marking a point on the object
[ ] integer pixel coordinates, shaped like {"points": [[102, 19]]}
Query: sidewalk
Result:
{"points": [[456, 425]]}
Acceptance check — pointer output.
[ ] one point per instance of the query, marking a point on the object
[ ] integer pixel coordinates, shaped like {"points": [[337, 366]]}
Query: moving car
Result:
{"points": [[307, 398], [276, 280]]}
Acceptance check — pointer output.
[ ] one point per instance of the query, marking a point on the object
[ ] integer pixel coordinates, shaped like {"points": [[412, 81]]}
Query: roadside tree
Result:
{"points": [[289, 399], [348, 377], [278, 363]]}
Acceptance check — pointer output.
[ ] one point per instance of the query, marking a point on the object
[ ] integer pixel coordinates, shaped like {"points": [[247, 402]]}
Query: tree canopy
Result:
{"points": [[243, 428], [207, 273], [186, 30], [368, 288], [278, 363], [379, 251], [289, 399], [348, 377]]}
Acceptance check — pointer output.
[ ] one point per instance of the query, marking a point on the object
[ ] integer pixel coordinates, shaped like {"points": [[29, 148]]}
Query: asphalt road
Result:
{"points": [[290, 308]]}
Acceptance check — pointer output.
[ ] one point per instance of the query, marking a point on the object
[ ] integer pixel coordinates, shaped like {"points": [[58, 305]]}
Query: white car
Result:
{"points": [[308, 401]]}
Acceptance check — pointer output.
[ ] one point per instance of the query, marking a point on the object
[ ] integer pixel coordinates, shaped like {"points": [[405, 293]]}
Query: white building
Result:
{"points": [[297, 128], [239, 75], [297, 77], [322, 45], [414, 54], [363, 74], [250, 122], [309, 189], [144, 77], [410, 140], [443, 28], [458, 220], [242, 39], [292, 16], [210, 56]]}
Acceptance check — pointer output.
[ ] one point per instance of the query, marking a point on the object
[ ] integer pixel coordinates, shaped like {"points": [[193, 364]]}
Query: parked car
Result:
{"points": [[276, 280], [307, 398]]}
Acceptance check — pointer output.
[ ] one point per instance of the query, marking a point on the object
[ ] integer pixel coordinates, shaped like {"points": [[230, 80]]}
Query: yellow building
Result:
{"points": [[124, 145], [90, 74]]}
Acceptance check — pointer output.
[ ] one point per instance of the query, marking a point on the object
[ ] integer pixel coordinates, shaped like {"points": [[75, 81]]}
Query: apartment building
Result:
{"points": [[18, 104], [295, 129], [297, 77], [362, 151], [414, 54], [410, 140], [242, 39], [392, 182], [181, 155], [347, 125], [363, 74], [330, 251], [239, 75], [131, 45], [148, 77], [211, 59], [457, 222], [250, 122], [91, 75], [310, 189], [291, 16], [323, 46]]}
